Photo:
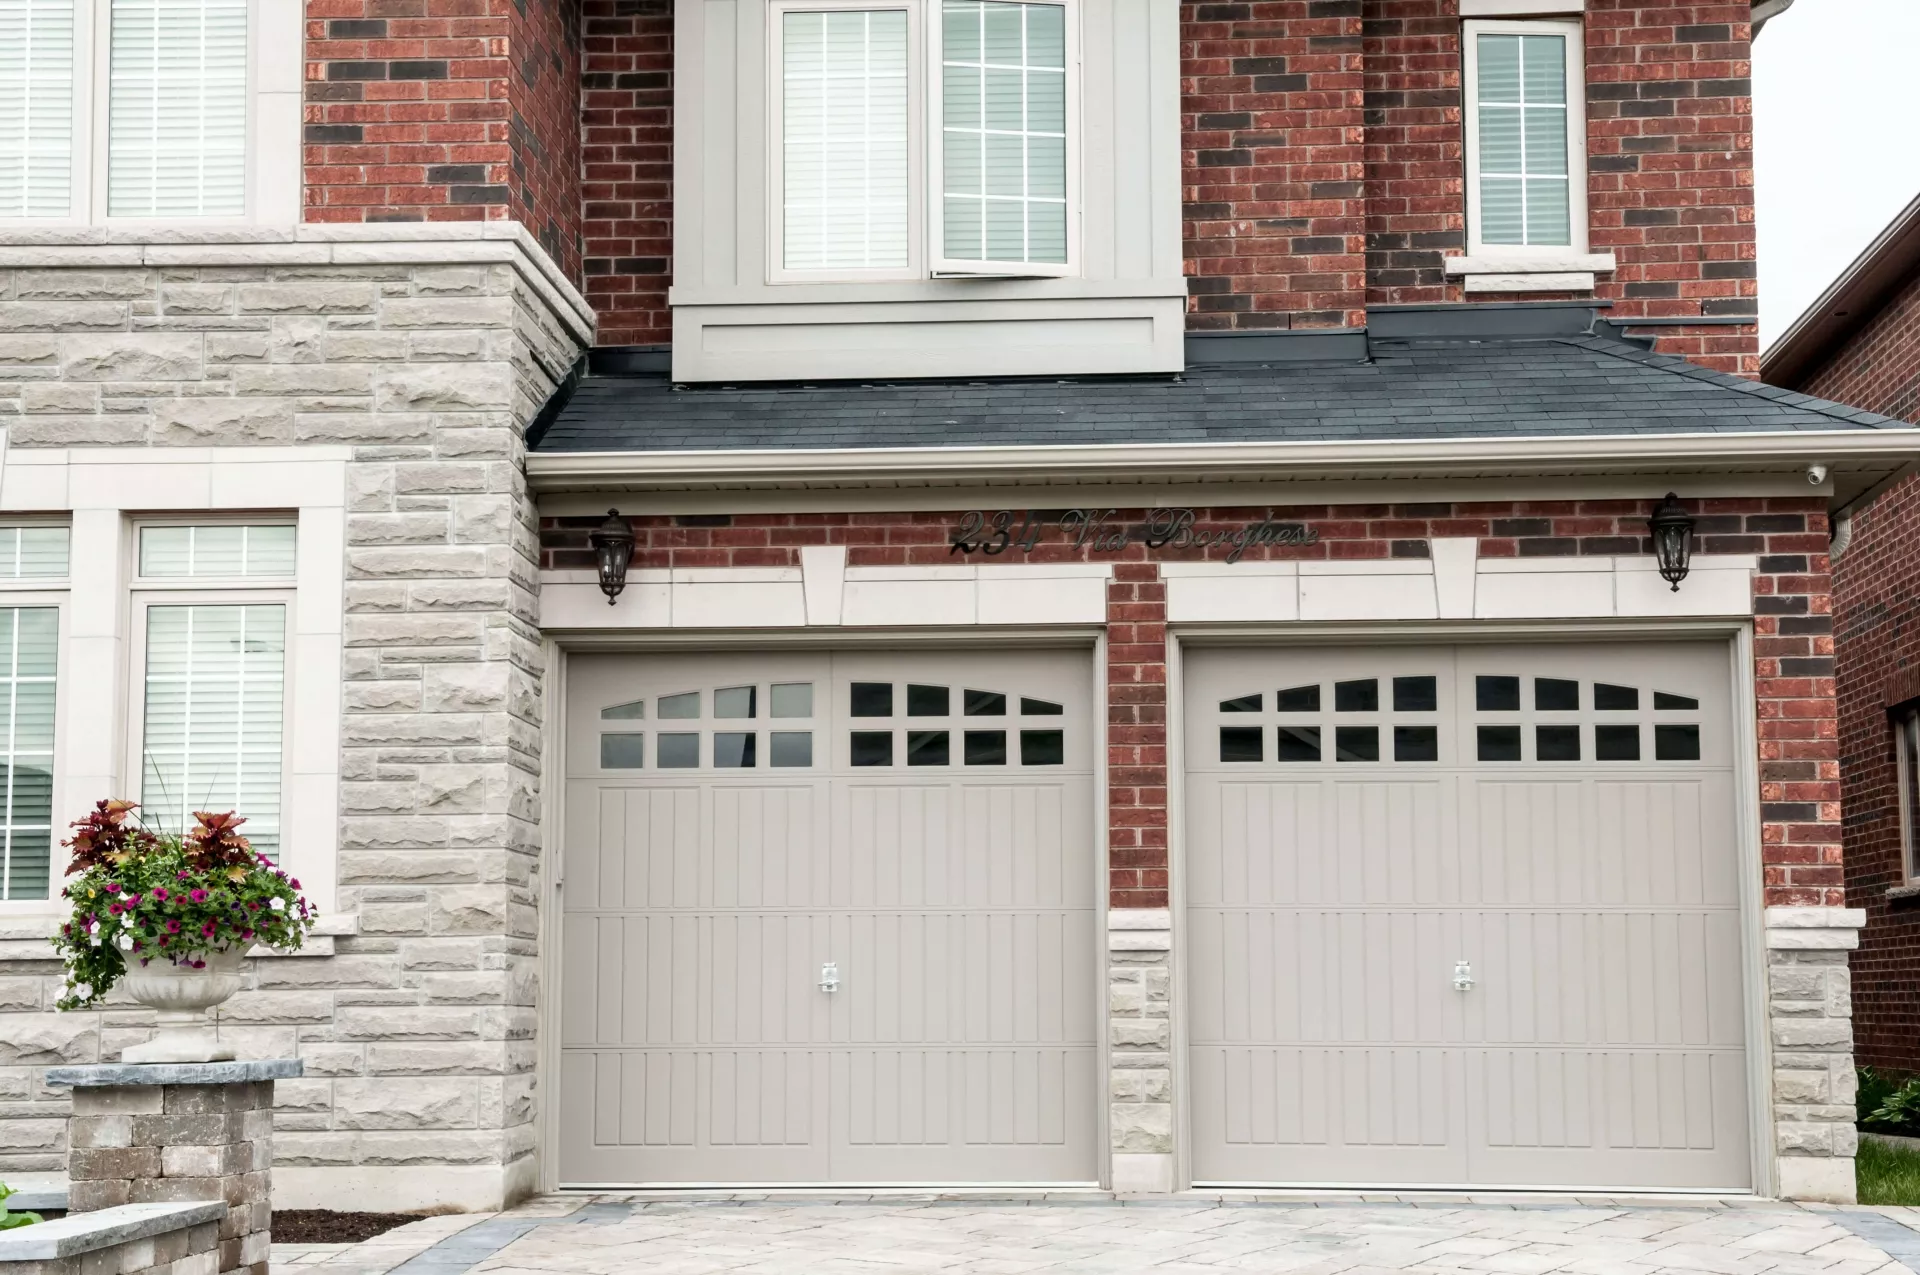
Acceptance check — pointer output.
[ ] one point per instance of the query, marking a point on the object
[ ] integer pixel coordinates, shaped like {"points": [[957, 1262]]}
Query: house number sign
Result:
{"points": [[1024, 530]]}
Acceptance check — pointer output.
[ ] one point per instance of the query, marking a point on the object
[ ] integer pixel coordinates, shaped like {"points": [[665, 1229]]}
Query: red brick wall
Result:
{"points": [[1879, 366], [1670, 162], [1877, 618], [1271, 163], [444, 110], [1793, 666], [627, 122]]}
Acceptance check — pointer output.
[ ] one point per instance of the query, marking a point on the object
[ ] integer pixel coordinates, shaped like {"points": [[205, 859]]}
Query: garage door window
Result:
{"points": [[991, 728], [1553, 720], [731, 743], [1369, 722]]}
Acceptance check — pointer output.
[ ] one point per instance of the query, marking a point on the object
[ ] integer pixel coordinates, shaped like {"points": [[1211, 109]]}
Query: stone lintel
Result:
{"points": [[85, 1232], [243, 1072]]}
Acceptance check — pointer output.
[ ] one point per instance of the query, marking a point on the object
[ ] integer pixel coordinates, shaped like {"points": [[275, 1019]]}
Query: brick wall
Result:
{"points": [[1271, 163], [1797, 728], [1670, 162], [1877, 611], [627, 123], [444, 110], [1877, 618]]}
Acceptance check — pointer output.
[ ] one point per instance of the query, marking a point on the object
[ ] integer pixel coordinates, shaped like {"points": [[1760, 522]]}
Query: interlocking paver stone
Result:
{"points": [[763, 1234]]}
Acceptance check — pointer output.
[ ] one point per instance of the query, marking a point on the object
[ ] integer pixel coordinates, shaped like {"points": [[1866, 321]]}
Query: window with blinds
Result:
{"points": [[1521, 122], [215, 715], [36, 108], [177, 108], [844, 139], [1003, 132], [29, 645], [220, 551], [33, 552]]}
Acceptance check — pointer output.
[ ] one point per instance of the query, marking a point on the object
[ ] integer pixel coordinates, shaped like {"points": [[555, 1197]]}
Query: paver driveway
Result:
{"points": [[621, 1236]]}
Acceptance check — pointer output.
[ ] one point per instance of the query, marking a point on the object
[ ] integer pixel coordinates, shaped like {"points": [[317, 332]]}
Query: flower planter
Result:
{"points": [[181, 995]]}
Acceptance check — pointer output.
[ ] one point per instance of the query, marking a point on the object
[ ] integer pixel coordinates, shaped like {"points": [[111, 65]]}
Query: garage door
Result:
{"points": [[1465, 916], [743, 829]]}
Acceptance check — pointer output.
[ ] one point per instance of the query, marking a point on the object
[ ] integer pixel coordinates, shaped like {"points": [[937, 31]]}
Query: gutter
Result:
{"points": [[1849, 302], [1723, 452]]}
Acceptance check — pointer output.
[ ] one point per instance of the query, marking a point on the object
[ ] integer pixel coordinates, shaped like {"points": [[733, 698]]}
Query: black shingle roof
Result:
{"points": [[1411, 389]]}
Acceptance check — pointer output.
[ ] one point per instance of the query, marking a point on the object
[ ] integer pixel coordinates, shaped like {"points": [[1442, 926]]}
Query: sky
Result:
{"points": [[1837, 136]]}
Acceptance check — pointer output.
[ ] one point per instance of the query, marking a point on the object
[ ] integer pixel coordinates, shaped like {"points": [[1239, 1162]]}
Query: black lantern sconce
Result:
{"points": [[1672, 529], [612, 543]]}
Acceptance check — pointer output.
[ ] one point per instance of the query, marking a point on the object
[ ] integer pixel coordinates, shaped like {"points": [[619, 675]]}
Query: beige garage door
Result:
{"points": [[1465, 916], [736, 824]]}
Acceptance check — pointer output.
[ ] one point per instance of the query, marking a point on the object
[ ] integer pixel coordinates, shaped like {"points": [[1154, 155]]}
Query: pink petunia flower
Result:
{"points": [[207, 929], [160, 893], [173, 927], [198, 896]]}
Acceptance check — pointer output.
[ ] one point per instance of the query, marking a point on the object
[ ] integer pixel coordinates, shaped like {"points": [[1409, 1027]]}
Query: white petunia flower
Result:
{"points": [[83, 990], [125, 897], [94, 928], [278, 905], [126, 942]]}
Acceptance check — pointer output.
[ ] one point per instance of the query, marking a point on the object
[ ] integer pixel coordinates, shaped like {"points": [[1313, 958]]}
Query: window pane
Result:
{"points": [[1496, 694], [177, 109], [1356, 743], [927, 701], [1543, 69], [1416, 743], [1356, 697], [1521, 126], [1243, 704], [36, 108], [213, 732], [927, 748], [790, 748], [1297, 699], [1555, 694], [986, 704], [623, 752], [872, 748], [1416, 695], [676, 751], [1547, 211], [625, 712], [221, 551], [680, 707], [986, 748], [791, 699], [1039, 707], [27, 552], [1242, 743], [1616, 743], [1910, 762], [1676, 743], [1615, 699], [872, 699], [1499, 743], [844, 139], [1499, 57], [1556, 743], [733, 749], [1298, 743], [28, 638], [1502, 211], [1663, 702], [1042, 747], [734, 701], [1003, 131]]}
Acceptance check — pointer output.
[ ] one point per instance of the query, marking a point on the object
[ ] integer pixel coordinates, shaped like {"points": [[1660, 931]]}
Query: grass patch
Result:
{"points": [[1887, 1175]]}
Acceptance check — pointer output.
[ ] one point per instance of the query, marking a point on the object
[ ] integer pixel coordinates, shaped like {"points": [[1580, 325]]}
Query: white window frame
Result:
{"points": [[925, 104], [92, 86], [1906, 727], [1575, 35], [47, 591], [151, 591]]}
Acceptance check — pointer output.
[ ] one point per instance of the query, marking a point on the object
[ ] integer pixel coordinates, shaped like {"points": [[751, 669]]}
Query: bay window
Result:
{"points": [[212, 608], [155, 129], [923, 139]]}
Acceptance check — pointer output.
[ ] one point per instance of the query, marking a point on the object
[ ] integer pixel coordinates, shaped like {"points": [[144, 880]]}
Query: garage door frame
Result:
{"points": [[1737, 637], [558, 646]]}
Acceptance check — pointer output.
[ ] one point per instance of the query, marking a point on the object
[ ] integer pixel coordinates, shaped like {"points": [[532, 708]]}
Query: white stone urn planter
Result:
{"points": [[182, 995]]}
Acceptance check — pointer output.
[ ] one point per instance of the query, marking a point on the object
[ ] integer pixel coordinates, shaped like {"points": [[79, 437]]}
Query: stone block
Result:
{"points": [[477, 909], [222, 421], [85, 1197], [447, 312], [442, 387], [1812, 1033], [169, 1129], [131, 356], [303, 379], [130, 1100], [1138, 1033], [96, 1163], [404, 1103], [196, 298], [386, 528], [47, 1038], [1797, 1138], [29, 351], [92, 1132], [1141, 1126], [41, 398], [126, 429], [62, 316], [306, 298], [465, 688], [81, 285]]}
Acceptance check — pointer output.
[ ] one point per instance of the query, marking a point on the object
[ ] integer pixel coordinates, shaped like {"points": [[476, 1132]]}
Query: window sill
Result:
{"points": [[1559, 272], [1904, 893], [28, 936]]}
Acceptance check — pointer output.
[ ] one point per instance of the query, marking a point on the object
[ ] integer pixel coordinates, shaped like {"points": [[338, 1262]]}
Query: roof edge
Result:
{"points": [[1848, 303]]}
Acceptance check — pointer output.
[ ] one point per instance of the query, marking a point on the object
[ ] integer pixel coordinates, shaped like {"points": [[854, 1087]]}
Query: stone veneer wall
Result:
{"points": [[427, 350]]}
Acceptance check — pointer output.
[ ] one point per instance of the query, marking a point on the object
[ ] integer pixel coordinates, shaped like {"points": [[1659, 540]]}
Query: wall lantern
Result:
{"points": [[612, 543], [1672, 529]]}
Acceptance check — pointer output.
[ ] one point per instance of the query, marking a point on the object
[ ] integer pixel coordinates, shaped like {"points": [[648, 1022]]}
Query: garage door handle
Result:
{"points": [[1463, 976], [829, 977]]}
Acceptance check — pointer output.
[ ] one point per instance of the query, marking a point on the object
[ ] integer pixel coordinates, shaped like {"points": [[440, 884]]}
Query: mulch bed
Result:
{"points": [[324, 1226]]}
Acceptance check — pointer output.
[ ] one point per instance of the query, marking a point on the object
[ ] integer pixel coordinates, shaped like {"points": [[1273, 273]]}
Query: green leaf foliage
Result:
{"points": [[8, 1220]]}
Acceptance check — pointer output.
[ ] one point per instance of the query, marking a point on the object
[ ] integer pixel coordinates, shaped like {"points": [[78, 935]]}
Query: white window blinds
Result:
{"points": [[29, 641], [36, 108], [28, 552], [229, 551], [1003, 132], [1521, 114], [177, 109], [844, 123], [215, 716]]}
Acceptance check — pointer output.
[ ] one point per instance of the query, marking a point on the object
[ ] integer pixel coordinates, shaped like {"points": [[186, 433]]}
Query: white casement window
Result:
{"points": [[1906, 727], [927, 139], [1526, 139], [33, 571], [130, 110], [212, 606]]}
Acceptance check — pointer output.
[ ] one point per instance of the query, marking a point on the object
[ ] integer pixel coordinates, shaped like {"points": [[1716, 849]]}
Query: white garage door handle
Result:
{"points": [[1463, 976], [829, 977]]}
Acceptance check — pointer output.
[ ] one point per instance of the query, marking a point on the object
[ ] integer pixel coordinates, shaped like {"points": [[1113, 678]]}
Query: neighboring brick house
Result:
{"points": [[1859, 344], [1142, 660]]}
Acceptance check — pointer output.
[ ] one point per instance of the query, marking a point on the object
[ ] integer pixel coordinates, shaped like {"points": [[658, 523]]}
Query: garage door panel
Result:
{"points": [[1571, 841], [766, 849]]}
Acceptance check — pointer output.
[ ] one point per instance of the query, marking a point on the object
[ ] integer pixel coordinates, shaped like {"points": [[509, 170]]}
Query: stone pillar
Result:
{"points": [[1140, 1048], [1810, 1031], [170, 1132]]}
